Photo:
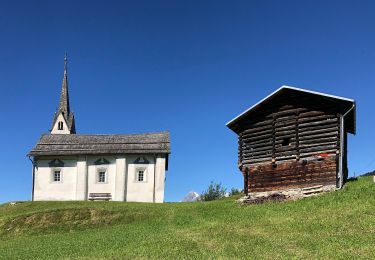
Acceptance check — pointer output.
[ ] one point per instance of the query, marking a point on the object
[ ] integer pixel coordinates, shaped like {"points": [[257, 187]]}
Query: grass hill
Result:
{"points": [[336, 225]]}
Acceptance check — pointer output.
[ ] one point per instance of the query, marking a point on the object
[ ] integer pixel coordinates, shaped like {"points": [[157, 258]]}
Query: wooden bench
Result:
{"points": [[100, 196]]}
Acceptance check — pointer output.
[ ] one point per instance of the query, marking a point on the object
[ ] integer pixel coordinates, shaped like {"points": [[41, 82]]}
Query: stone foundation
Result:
{"points": [[289, 194]]}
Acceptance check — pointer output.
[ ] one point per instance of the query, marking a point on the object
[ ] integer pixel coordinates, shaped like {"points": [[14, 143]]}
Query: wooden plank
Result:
{"points": [[297, 134], [291, 136], [257, 144], [288, 181], [316, 118], [288, 132], [258, 149], [283, 181], [260, 159], [317, 136], [320, 122], [247, 155], [314, 130], [291, 147], [285, 153], [298, 174], [325, 128], [285, 158], [317, 144], [258, 137], [267, 180], [257, 129], [315, 153], [273, 137], [318, 148]]}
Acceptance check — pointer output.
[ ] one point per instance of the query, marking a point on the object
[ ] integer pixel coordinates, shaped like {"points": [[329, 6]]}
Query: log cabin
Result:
{"points": [[294, 138]]}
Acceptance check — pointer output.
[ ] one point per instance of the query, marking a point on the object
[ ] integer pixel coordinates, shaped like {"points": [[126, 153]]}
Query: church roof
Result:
{"points": [[77, 144]]}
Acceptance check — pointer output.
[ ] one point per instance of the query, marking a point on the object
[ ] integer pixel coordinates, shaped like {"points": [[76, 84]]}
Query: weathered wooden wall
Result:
{"points": [[281, 145], [292, 174]]}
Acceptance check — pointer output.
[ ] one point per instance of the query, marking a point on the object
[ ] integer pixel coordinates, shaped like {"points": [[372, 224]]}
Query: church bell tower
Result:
{"points": [[63, 121]]}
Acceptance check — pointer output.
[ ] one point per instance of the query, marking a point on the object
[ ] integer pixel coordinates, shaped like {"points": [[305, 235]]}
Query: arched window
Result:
{"points": [[60, 125]]}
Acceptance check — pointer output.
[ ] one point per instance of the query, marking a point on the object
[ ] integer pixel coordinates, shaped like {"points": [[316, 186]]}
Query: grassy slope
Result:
{"points": [[336, 225]]}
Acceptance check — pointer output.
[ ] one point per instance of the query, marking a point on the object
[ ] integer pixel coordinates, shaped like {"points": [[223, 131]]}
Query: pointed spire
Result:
{"points": [[65, 63], [64, 108], [64, 98]]}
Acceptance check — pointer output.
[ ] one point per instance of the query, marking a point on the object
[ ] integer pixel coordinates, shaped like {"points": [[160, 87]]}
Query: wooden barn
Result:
{"points": [[294, 138]]}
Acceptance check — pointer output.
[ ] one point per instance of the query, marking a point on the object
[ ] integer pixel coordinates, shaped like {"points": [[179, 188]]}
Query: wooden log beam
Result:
{"points": [[320, 122], [317, 144], [257, 129], [308, 131], [315, 153], [257, 137], [318, 136]]}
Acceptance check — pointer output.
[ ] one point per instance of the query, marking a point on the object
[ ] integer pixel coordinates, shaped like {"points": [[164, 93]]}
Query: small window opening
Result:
{"points": [[286, 142], [141, 175], [57, 176], [101, 177], [60, 125]]}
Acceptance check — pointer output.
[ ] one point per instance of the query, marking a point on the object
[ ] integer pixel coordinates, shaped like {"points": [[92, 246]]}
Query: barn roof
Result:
{"points": [[350, 123], [77, 144]]}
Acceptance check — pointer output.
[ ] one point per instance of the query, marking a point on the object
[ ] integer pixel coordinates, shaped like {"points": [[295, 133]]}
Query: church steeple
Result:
{"points": [[64, 98], [63, 122]]}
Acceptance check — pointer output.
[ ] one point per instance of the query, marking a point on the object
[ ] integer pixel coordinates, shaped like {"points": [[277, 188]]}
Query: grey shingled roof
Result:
{"points": [[77, 144]]}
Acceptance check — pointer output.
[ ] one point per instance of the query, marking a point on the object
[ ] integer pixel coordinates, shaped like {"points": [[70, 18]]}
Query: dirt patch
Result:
{"points": [[283, 195], [259, 200]]}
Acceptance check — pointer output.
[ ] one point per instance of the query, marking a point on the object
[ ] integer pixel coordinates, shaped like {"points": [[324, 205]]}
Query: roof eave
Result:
{"points": [[234, 120]]}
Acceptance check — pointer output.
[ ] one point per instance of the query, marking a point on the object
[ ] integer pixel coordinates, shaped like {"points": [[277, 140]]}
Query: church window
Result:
{"points": [[140, 175], [60, 126], [57, 176], [102, 176]]}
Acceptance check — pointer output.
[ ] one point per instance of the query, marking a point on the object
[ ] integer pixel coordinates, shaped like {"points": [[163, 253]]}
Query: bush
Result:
{"points": [[214, 191], [234, 191]]}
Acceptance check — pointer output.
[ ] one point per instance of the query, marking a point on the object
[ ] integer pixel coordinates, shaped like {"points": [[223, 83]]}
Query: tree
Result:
{"points": [[235, 191], [214, 191]]}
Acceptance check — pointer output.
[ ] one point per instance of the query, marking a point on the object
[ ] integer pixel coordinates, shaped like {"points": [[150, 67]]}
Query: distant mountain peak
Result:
{"points": [[191, 197]]}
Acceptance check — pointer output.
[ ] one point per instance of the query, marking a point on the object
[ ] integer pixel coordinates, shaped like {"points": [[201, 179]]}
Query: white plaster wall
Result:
{"points": [[55, 129], [160, 178], [120, 178], [81, 186], [79, 179], [46, 189], [93, 185], [140, 191]]}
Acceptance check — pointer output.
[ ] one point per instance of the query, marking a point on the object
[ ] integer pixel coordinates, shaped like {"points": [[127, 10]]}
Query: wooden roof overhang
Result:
{"points": [[77, 144], [342, 105]]}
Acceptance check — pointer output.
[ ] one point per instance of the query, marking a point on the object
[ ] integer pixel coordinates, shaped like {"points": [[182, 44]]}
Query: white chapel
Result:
{"points": [[71, 166]]}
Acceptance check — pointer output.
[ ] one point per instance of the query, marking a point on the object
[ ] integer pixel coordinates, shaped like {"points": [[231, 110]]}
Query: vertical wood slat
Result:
{"points": [[338, 151], [240, 155], [297, 136], [246, 184], [274, 138]]}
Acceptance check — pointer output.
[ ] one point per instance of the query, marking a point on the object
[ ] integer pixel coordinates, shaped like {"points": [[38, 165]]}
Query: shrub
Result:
{"points": [[235, 191], [214, 191]]}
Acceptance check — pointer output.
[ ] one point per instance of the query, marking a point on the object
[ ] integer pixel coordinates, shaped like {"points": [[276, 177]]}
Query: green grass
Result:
{"points": [[336, 225]]}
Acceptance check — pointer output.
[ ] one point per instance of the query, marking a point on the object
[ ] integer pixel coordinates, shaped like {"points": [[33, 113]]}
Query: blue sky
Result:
{"points": [[183, 66]]}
